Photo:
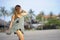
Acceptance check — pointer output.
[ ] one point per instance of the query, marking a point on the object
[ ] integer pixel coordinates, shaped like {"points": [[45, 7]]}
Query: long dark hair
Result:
{"points": [[16, 9]]}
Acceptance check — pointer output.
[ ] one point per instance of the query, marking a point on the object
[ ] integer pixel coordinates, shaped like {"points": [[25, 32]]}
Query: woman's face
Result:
{"points": [[18, 8]]}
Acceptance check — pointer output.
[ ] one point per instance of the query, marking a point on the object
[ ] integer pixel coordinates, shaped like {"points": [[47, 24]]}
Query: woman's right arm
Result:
{"points": [[12, 19]]}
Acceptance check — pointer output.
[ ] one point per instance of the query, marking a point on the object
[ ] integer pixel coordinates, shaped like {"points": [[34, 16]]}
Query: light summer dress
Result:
{"points": [[18, 24]]}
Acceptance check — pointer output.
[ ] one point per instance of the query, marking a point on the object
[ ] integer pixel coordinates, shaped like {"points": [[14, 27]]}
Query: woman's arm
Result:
{"points": [[12, 19]]}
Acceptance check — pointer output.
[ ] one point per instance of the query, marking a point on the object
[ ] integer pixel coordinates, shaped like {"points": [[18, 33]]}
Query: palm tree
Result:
{"points": [[12, 11], [59, 16], [26, 18], [51, 14], [31, 14], [3, 13], [40, 16]]}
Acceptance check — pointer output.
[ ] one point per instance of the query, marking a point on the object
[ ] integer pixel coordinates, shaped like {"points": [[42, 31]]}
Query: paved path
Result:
{"points": [[34, 35]]}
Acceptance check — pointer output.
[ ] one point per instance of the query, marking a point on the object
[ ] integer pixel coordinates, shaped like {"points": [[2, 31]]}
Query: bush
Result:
{"points": [[52, 24]]}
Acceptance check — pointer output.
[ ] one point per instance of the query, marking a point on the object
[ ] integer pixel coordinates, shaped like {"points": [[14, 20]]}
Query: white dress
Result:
{"points": [[18, 24]]}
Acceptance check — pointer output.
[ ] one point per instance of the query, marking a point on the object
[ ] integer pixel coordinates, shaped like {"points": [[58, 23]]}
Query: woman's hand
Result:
{"points": [[8, 32]]}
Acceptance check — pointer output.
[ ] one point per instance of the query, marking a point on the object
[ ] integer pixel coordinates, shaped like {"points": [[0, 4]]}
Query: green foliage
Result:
{"points": [[53, 21], [40, 16], [26, 18]]}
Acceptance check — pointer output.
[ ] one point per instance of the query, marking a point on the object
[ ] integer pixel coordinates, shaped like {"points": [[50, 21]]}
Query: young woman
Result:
{"points": [[17, 22]]}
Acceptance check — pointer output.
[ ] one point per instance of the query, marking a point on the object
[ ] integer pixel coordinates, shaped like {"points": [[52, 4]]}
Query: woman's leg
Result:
{"points": [[20, 35]]}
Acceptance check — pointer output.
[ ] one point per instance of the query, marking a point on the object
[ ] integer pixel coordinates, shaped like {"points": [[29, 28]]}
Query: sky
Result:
{"points": [[37, 6]]}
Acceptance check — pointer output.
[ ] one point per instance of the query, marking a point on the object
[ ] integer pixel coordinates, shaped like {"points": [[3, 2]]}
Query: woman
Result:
{"points": [[17, 22]]}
